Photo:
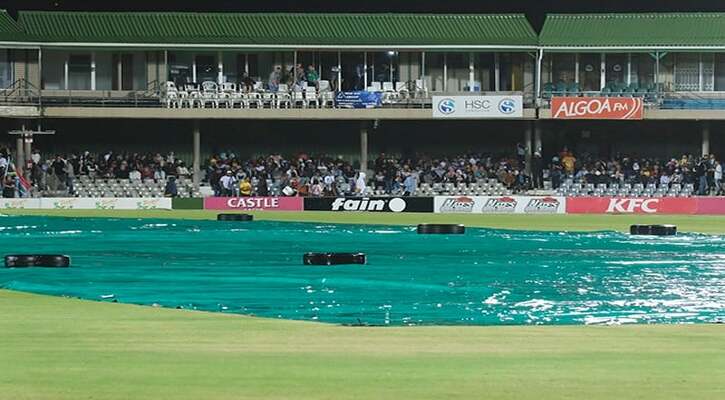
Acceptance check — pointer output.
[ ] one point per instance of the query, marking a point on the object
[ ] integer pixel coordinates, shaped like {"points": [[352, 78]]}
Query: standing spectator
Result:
{"points": [[312, 75], [227, 183], [537, 170], [69, 176], [274, 78], [701, 176], [9, 186], [171, 190], [360, 184], [262, 189], [717, 176], [410, 184], [58, 168]]}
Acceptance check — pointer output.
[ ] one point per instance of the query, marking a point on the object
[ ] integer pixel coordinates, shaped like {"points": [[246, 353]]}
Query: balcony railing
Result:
{"points": [[23, 93]]}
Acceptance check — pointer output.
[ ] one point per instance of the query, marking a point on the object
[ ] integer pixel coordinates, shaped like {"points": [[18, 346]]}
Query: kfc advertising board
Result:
{"points": [[597, 108], [500, 204], [628, 205], [254, 203]]}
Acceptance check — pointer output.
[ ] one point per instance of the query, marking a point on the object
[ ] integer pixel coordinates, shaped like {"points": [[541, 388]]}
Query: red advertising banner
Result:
{"points": [[628, 205], [711, 205], [597, 108], [254, 203]]}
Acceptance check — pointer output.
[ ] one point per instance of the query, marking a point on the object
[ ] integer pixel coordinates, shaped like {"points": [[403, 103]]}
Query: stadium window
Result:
{"points": [[104, 70], [180, 68], [511, 73], [53, 69], [687, 72], [616, 65], [79, 72], [352, 70], [590, 72], [562, 68], [6, 69], [434, 71], [230, 62], [206, 68], [708, 71], [485, 74], [719, 72], [457, 71], [643, 70]]}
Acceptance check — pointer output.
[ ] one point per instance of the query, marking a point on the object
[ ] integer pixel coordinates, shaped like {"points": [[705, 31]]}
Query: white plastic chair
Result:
{"points": [[311, 97], [375, 87], [298, 98], [282, 97]]}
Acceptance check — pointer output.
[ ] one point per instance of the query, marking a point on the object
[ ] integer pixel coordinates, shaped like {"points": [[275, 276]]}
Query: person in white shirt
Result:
{"points": [[360, 184], [134, 175], [718, 178], [227, 182]]}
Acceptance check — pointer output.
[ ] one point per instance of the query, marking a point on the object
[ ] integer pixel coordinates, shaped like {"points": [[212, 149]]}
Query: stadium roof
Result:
{"points": [[9, 29], [696, 31], [277, 30]]}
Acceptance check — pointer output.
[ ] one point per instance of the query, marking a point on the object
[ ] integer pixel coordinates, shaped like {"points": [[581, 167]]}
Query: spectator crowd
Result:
{"points": [[305, 175]]}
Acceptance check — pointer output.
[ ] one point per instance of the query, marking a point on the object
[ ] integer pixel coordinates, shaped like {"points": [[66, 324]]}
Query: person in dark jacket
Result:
{"points": [[537, 170], [262, 189], [171, 189]]}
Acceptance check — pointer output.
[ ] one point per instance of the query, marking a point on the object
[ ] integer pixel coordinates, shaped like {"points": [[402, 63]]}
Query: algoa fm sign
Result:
{"points": [[253, 203], [500, 204], [627, 205], [371, 204], [597, 108], [478, 106]]}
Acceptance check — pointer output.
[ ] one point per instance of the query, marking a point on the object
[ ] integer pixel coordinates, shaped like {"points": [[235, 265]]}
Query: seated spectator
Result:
{"points": [[134, 175], [312, 76]]}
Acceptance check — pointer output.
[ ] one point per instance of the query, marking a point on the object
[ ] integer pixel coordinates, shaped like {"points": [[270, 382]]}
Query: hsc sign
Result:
{"points": [[597, 108], [478, 106]]}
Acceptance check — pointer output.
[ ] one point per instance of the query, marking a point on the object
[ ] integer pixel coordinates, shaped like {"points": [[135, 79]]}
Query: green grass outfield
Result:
{"points": [[561, 222], [58, 348]]}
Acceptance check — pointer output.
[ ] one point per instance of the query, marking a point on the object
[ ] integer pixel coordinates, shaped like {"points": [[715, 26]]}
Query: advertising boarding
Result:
{"points": [[597, 108], [254, 203], [370, 204], [500, 204], [482, 107], [631, 205]]}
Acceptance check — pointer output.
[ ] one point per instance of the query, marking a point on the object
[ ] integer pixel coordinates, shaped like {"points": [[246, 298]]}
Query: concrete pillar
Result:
{"points": [[705, 139], [93, 70], [196, 177], [471, 72], [528, 145], [220, 67], [537, 138], [364, 148], [496, 72], [19, 156], [603, 72]]}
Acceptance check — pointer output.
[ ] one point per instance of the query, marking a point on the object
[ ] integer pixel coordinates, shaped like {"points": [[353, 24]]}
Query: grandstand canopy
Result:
{"points": [[276, 30], [634, 31], [10, 30]]}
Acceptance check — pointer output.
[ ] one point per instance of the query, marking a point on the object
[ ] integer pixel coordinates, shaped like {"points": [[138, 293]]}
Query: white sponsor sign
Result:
{"points": [[83, 203], [500, 204], [19, 203], [499, 106]]}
